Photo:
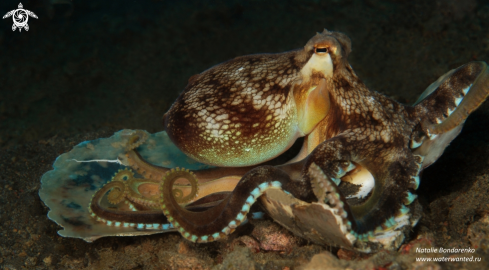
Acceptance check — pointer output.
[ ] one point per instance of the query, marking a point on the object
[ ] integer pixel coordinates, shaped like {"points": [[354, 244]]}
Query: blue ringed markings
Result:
{"points": [[458, 100], [416, 182], [263, 186], [415, 144], [250, 200], [232, 224], [240, 217], [276, 184], [410, 198], [449, 112], [246, 208], [337, 181], [256, 192]]}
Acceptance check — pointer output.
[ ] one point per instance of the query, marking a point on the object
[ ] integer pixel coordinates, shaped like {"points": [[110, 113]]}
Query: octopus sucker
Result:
{"points": [[210, 180], [133, 159], [353, 184], [119, 189], [141, 216], [138, 138], [143, 194], [178, 193]]}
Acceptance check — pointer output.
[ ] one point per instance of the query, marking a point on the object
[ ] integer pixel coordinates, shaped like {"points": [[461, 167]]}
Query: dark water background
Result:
{"points": [[86, 69]]}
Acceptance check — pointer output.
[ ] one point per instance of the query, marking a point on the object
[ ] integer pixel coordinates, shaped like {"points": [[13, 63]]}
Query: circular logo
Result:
{"points": [[20, 17]]}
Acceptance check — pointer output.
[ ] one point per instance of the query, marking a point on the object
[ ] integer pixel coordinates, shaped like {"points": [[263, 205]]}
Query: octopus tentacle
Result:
{"points": [[113, 216], [222, 219], [144, 193], [136, 139], [177, 194], [454, 97], [144, 219], [444, 106], [119, 188], [141, 200], [387, 204], [139, 191], [134, 160]]}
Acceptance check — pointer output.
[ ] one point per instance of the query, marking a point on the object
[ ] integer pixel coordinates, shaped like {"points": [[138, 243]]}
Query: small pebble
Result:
{"points": [[48, 260]]}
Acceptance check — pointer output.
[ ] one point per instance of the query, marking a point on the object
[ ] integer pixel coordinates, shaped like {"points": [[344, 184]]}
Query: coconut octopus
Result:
{"points": [[352, 184]]}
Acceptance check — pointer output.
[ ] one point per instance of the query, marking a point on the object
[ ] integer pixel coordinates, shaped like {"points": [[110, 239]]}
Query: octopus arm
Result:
{"points": [[143, 217], [223, 218], [210, 180], [445, 105], [457, 94], [386, 206]]}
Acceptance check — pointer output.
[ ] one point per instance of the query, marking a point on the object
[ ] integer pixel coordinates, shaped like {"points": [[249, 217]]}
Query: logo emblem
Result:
{"points": [[20, 17]]}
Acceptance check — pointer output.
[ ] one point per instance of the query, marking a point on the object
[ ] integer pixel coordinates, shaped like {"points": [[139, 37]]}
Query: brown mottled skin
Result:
{"points": [[233, 109], [252, 108]]}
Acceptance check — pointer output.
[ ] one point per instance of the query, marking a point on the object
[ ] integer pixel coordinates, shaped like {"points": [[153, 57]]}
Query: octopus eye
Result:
{"points": [[321, 50]]}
